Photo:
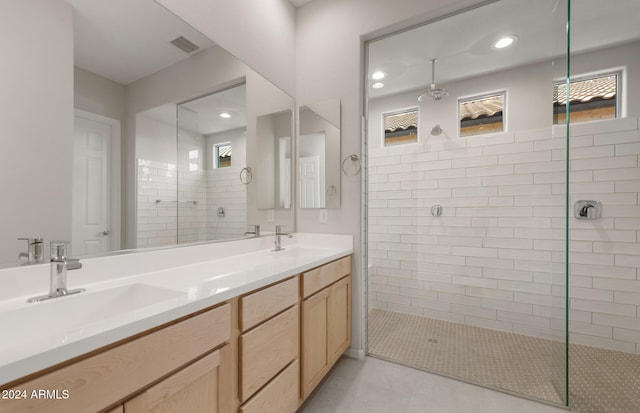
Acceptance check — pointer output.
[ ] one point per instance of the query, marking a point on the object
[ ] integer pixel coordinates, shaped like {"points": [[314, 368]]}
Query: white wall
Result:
{"points": [[96, 94], [37, 119], [261, 33]]}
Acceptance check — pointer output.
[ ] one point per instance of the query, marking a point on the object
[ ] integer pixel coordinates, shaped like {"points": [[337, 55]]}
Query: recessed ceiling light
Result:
{"points": [[505, 41], [378, 75], [225, 115], [377, 85]]}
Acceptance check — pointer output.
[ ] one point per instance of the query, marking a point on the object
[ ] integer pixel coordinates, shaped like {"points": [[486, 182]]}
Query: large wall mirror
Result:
{"points": [[144, 127], [319, 155]]}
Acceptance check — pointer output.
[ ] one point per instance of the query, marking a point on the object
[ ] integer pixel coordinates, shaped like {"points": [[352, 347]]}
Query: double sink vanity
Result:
{"points": [[220, 327]]}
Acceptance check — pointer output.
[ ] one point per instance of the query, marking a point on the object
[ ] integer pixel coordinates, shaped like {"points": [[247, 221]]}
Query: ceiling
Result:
{"points": [[114, 38], [204, 117], [126, 40], [463, 43], [232, 101], [300, 3]]}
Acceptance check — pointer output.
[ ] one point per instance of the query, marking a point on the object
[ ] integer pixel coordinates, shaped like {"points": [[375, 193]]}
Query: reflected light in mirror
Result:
{"points": [[504, 42]]}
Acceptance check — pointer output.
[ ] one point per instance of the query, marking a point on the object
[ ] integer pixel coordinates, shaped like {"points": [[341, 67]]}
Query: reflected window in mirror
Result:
{"points": [[222, 155], [194, 156], [482, 114], [400, 127], [590, 98]]}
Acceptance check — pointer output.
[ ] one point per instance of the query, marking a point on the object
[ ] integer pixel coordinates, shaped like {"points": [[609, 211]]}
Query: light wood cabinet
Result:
{"points": [[326, 326], [339, 324], [267, 349], [261, 305], [263, 352], [96, 382], [315, 360], [197, 388], [279, 396]]}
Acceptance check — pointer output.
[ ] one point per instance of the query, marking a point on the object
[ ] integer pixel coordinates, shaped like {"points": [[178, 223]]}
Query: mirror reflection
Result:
{"points": [[274, 165], [192, 191], [319, 155], [89, 168]]}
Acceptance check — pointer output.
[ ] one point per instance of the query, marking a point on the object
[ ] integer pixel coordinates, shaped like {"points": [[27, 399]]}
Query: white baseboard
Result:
{"points": [[355, 353]]}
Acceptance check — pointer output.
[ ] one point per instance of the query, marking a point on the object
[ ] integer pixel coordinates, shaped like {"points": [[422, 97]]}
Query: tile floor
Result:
{"points": [[377, 386], [601, 381]]}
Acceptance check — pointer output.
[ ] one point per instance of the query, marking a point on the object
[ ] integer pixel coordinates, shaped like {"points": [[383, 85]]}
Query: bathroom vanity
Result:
{"points": [[231, 327]]}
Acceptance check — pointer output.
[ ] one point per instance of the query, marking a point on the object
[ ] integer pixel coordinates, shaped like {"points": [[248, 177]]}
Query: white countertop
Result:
{"points": [[128, 294]]}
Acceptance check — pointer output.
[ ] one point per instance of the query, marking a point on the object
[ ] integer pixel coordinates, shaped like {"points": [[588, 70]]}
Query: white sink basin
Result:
{"points": [[65, 318]]}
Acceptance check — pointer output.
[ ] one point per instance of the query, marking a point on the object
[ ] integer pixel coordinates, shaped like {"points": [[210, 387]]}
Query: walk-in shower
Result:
{"points": [[509, 285]]}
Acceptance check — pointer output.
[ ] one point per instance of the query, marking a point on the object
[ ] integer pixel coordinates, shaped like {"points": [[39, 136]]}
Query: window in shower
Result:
{"points": [[590, 98], [482, 114], [400, 127], [194, 155], [222, 155]]}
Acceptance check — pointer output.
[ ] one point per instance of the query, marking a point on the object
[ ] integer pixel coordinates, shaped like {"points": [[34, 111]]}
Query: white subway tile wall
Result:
{"points": [[170, 222], [157, 222], [493, 257]]}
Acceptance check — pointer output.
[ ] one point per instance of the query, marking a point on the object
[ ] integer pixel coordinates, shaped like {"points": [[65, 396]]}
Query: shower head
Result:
{"points": [[433, 92]]}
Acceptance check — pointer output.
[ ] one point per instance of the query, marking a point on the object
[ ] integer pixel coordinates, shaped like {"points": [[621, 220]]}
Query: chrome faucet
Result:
{"points": [[255, 232], [35, 250], [278, 245], [60, 264]]}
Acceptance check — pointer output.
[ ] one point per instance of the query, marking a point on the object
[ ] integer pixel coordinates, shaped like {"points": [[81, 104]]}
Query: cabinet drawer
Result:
{"points": [[280, 395], [264, 304], [318, 278], [100, 380], [267, 349]]}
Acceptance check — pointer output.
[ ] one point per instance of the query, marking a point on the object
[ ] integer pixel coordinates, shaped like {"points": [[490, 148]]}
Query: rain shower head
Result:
{"points": [[433, 92]]}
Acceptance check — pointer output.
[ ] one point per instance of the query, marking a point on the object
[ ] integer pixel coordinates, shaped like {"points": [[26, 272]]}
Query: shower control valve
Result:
{"points": [[587, 209]]}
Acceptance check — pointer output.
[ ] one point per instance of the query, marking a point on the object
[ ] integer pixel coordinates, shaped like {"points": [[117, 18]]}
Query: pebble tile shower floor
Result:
{"points": [[601, 381]]}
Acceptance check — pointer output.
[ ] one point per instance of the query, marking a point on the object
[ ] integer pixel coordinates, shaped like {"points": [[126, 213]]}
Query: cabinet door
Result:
{"points": [[197, 388], [339, 326], [315, 361]]}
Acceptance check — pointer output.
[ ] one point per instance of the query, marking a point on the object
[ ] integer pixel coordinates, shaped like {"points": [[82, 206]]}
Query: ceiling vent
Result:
{"points": [[184, 44]]}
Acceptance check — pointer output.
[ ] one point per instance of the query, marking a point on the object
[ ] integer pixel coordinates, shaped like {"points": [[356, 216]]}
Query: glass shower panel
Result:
{"points": [[467, 234], [560, 262], [211, 148], [192, 182]]}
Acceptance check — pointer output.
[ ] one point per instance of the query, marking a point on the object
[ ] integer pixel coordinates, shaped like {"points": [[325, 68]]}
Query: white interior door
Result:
{"points": [[92, 179], [310, 182]]}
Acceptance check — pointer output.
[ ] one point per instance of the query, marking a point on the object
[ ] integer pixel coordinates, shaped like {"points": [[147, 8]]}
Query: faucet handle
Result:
{"points": [[279, 231], [35, 240], [34, 252], [59, 250]]}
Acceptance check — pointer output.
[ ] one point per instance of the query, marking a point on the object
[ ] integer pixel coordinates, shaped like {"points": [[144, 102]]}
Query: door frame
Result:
{"points": [[115, 173]]}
